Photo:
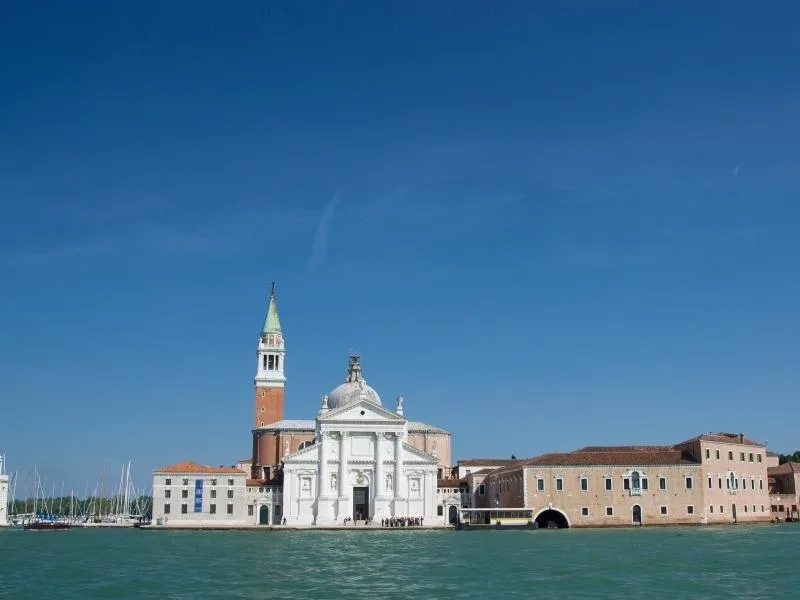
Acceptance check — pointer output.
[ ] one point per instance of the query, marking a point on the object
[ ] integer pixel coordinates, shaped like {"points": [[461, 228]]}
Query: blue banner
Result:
{"points": [[198, 495]]}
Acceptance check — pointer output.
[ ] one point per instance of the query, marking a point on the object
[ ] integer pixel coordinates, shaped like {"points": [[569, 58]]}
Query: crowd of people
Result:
{"points": [[402, 522]]}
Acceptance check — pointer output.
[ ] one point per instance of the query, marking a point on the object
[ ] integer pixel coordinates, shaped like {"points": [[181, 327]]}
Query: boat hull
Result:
{"points": [[45, 526]]}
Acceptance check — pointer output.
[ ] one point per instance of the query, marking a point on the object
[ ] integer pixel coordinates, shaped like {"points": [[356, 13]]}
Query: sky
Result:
{"points": [[544, 224]]}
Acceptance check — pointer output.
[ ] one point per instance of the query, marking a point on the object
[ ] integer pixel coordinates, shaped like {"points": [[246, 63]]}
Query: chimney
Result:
{"points": [[741, 438]]}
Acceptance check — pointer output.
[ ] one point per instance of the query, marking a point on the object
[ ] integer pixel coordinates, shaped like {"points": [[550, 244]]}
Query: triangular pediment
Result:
{"points": [[411, 454], [363, 410], [304, 455]]}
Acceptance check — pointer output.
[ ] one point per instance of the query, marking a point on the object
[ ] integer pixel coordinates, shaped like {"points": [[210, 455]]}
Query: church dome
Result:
{"points": [[354, 388]]}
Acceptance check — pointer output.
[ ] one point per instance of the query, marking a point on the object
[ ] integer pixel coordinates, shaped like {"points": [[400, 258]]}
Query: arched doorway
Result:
{"points": [[637, 514], [551, 519], [263, 515], [452, 515]]}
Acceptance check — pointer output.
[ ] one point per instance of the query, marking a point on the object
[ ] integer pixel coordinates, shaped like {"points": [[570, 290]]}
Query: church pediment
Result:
{"points": [[307, 454], [412, 455], [363, 410]]}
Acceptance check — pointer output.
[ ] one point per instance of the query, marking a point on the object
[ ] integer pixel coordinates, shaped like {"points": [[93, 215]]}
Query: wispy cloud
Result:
{"points": [[736, 170], [320, 246]]}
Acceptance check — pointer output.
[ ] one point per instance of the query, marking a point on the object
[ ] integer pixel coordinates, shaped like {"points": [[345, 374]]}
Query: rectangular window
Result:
{"points": [[710, 484], [645, 484], [708, 453], [539, 484], [717, 454], [230, 481], [230, 493], [721, 508], [167, 493], [758, 458], [744, 483], [213, 482], [663, 511], [481, 490], [264, 362], [185, 482], [760, 484], [184, 509], [250, 510], [608, 484], [609, 511], [720, 482], [271, 362], [559, 484], [751, 457], [690, 510], [277, 362], [166, 509], [184, 493], [689, 483], [584, 484], [212, 508], [626, 484], [584, 511], [213, 493], [745, 508], [741, 456], [168, 481], [730, 454], [440, 510], [711, 509], [752, 484], [230, 509]]}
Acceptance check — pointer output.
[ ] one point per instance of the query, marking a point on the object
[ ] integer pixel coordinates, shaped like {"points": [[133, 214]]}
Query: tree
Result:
{"points": [[784, 458]]}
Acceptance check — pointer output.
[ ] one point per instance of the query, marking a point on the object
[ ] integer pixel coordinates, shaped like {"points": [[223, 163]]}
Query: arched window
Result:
{"points": [[305, 444], [636, 482]]}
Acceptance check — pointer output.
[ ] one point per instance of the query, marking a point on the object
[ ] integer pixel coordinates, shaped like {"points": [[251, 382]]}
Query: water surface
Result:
{"points": [[697, 562]]}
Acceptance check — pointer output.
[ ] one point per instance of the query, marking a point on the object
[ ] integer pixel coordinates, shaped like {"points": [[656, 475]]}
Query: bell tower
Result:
{"points": [[269, 380]]}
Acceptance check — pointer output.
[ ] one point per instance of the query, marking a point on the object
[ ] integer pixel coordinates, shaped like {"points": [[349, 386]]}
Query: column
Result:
{"points": [[380, 484], [324, 486], [398, 465], [343, 439]]}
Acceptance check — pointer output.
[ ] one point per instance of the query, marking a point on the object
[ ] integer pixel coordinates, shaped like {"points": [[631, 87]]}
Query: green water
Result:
{"points": [[707, 562]]}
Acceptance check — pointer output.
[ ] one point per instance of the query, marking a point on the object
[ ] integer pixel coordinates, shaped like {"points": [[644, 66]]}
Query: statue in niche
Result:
{"points": [[333, 482], [433, 448], [286, 447], [388, 483]]}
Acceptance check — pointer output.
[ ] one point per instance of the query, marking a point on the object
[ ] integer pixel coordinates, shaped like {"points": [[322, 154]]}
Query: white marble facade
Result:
{"points": [[358, 467]]}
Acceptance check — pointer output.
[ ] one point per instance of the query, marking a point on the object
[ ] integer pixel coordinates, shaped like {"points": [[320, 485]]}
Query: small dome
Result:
{"points": [[354, 388]]}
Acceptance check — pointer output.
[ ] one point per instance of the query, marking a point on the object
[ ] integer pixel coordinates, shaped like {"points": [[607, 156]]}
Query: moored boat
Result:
{"points": [[46, 525]]}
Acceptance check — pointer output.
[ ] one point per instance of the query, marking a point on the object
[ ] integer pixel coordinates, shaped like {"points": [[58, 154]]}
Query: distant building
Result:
{"points": [[784, 491], [712, 478], [3, 492]]}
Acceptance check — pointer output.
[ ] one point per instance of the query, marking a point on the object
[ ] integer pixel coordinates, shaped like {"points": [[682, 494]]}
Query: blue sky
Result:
{"points": [[544, 225]]}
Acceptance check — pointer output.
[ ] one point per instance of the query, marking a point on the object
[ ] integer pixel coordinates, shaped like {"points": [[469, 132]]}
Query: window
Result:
{"points": [[608, 484], [168, 481], [751, 457], [167, 493], [213, 493], [184, 493], [752, 485], [741, 456], [166, 509], [758, 458], [690, 510], [277, 362], [760, 484], [468, 471], [440, 510], [689, 482], [540, 484], [645, 484], [762, 508], [184, 509], [230, 481], [250, 510], [481, 490], [720, 482], [709, 482], [270, 362], [717, 454], [305, 444], [663, 511], [626, 484], [584, 484], [185, 482], [754, 508], [559, 484], [609, 511], [721, 508], [662, 483], [230, 493], [711, 509], [730, 454], [745, 508], [744, 483], [708, 453], [230, 509], [212, 508], [213, 482], [585, 511]]}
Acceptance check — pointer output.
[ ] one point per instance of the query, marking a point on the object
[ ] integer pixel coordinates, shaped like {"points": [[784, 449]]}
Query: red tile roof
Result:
{"points": [[474, 462], [624, 448], [188, 466], [723, 438], [784, 469]]}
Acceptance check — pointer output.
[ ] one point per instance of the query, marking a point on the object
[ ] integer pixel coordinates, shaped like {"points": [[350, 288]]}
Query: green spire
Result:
{"points": [[272, 324]]}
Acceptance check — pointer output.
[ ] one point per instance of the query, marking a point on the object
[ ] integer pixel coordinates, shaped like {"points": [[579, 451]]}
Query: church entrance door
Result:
{"points": [[360, 503], [263, 515]]}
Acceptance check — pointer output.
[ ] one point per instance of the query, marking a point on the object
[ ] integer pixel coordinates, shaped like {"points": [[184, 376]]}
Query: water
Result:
{"points": [[699, 562]]}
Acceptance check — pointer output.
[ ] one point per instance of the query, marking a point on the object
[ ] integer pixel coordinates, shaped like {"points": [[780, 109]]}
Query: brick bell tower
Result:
{"points": [[270, 380]]}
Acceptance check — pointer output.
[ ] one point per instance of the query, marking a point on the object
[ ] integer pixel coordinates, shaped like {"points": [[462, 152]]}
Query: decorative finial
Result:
{"points": [[272, 293], [325, 401]]}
